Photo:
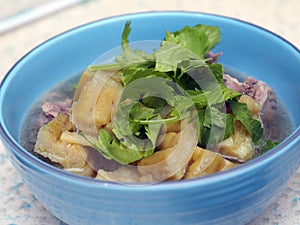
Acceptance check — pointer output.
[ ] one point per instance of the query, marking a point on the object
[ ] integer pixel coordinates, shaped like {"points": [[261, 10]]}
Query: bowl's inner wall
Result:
{"points": [[245, 48]]}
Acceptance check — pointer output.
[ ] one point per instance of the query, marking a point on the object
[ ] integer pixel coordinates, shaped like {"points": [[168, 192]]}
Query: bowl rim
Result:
{"points": [[33, 162]]}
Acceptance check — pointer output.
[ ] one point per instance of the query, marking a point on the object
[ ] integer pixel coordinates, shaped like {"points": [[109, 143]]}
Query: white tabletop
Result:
{"points": [[17, 205]]}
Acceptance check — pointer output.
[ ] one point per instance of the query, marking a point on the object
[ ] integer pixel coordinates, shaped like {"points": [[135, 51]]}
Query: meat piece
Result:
{"points": [[261, 92], [53, 109], [256, 89], [232, 83], [213, 56], [42, 116]]}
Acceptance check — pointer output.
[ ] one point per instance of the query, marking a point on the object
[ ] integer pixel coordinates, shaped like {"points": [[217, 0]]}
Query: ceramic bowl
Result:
{"points": [[236, 196]]}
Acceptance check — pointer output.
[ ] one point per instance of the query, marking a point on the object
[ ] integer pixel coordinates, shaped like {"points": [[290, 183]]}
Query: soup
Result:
{"points": [[169, 115]]}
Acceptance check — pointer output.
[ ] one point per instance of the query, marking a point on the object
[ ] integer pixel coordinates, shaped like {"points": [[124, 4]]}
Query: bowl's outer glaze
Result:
{"points": [[232, 197]]}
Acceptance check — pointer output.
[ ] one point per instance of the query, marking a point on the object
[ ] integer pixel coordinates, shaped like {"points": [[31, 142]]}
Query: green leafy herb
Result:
{"points": [[115, 149], [267, 145], [221, 94], [145, 105], [244, 115], [170, 55], [199, 39], [164, 86], [214, 126], [130, 57]]}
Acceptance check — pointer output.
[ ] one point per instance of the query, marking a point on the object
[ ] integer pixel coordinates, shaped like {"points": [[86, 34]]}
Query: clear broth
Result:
{"points": [[277, 128]]}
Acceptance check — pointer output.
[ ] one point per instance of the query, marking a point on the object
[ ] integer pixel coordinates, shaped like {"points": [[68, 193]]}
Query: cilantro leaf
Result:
{"points": [[130, 57], [116, 149], [217, 70], [144, 106], [170, 55], [220, 95], [125, 33], [199, 39], [267, 145], [244, 115], [214, 126], [112, 149], [134, 72]]}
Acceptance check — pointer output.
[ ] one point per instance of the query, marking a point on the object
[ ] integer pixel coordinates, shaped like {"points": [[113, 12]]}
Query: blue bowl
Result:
{"points": [[232, 197]]}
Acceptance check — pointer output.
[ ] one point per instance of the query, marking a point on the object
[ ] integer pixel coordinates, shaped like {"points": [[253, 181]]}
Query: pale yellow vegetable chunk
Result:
{"points": [[180, 174], [71, 157], [252, 105], [239, 146], [205, 162], [174, 127], [170, 163], [170, 140], [123, 174], [74, 138], [164, 170], [93, 101]]}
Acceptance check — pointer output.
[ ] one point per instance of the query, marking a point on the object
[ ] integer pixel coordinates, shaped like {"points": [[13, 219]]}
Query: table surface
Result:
{"points": [[17, 205]]}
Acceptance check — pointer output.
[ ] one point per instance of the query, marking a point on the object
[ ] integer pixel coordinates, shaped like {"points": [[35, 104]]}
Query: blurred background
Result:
{"points": [[25, 24]]}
